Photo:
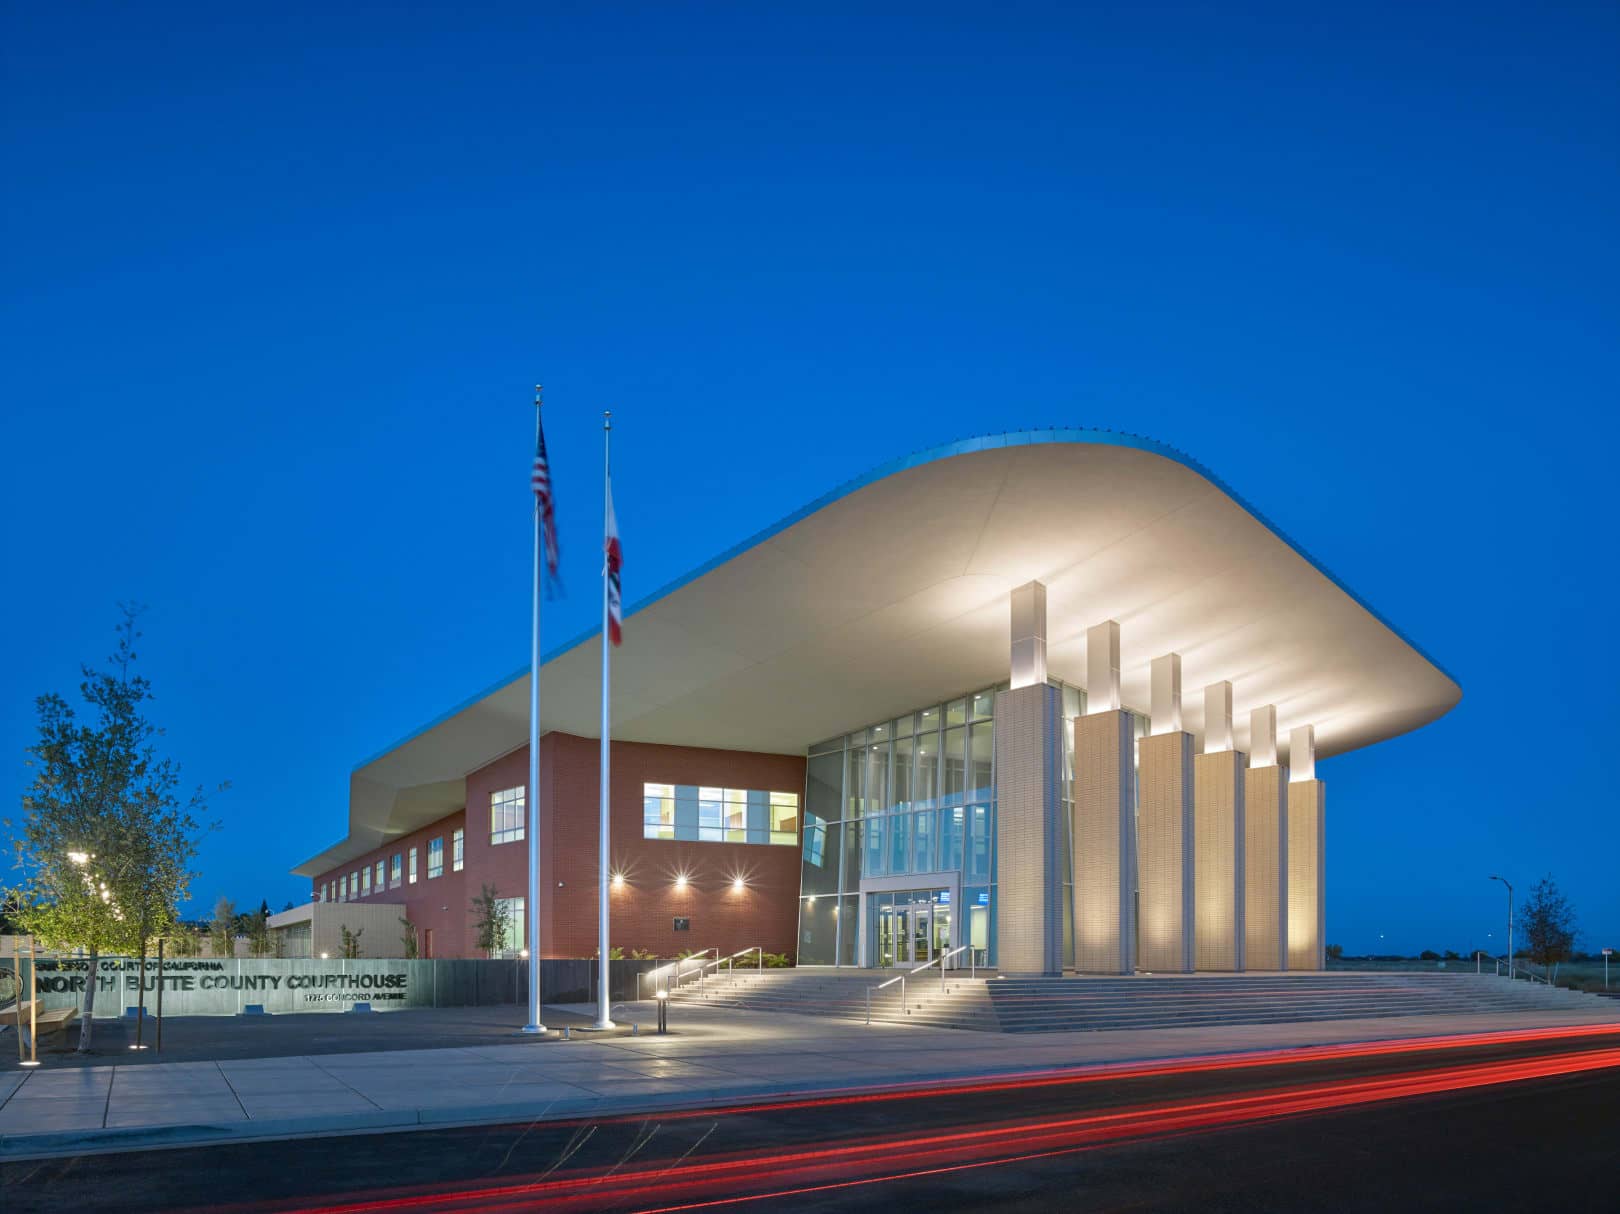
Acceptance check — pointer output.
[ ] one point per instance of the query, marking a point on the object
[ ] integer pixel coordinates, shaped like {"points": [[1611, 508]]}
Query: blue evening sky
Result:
{"points": [[278, 280]]}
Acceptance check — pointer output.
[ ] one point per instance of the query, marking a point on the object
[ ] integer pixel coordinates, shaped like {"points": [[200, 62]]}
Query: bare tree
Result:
{"points": [[1549, 924], [222, 929]]}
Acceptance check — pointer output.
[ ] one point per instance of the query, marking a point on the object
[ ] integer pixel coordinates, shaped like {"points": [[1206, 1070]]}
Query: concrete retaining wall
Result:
{"points": [[203, 986]]}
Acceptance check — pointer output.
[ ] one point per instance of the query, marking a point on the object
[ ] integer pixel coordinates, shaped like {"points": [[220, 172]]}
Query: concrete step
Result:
{"points": [[1095, 1003]]}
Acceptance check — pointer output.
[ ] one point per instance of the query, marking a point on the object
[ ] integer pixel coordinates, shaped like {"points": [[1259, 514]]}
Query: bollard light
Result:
{"points": [[663, 1011]]}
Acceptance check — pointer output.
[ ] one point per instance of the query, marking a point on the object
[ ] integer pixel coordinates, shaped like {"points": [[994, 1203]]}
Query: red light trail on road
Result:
{"points": [[874, 1159]]}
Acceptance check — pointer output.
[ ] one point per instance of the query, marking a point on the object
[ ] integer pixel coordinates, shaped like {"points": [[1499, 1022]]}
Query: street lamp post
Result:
{"points": [[1509, 885]]}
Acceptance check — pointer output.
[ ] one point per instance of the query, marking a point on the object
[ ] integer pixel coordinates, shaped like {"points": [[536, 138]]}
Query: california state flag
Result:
{"points": [[615, 559]]}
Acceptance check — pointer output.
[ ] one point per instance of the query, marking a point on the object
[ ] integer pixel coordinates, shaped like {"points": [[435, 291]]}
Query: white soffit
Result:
{"points": [[891, 593]]}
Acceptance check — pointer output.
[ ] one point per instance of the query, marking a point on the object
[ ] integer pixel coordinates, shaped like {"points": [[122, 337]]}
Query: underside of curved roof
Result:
{"points": [[891, 592]]}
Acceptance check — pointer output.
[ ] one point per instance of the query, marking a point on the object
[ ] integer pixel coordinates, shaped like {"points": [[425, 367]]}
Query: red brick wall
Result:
{"points": [[428, 904], [764, 912]]}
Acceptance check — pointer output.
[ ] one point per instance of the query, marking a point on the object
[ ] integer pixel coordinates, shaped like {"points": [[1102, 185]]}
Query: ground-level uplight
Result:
{"points": [[326, 956]]}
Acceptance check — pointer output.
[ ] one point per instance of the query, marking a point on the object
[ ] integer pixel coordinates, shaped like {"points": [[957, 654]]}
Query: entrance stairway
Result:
{"points": [[1050, 1005], [957, 1003]]}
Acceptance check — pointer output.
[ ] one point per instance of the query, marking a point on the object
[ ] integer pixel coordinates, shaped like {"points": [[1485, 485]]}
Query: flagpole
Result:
{"points": [[605, 968], [532, 793]]}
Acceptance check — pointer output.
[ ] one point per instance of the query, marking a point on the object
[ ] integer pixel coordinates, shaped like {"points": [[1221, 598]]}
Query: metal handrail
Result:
{"points": [[972, 962], [901, 979], [1515, 969], [743, 952], [726, 961], [673, 967]]}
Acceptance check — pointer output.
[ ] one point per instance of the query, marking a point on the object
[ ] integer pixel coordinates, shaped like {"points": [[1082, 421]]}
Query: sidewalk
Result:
{"points": [[711, 1056]]}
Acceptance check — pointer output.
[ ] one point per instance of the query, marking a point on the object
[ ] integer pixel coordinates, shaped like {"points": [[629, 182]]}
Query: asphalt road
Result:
{"points": [[1527, 1126]]}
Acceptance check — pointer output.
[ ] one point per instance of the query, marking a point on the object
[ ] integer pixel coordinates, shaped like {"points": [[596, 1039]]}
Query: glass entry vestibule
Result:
{"points": [[910, 927]]}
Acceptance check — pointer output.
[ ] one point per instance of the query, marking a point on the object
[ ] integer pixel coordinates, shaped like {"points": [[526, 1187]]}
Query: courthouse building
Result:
{"points": [[1058, 697]]}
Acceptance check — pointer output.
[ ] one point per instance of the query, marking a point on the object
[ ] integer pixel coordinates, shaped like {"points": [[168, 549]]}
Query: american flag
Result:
{"points": [[614, 560], [540, 482]]}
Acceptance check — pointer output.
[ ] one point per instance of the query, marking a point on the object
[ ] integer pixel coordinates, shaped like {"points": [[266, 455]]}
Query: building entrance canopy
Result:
{"points": [[892, 591]]}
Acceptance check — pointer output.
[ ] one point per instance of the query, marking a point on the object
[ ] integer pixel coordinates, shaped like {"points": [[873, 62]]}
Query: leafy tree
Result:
{"points": [[222, 930], [351, 942], [106, 841], [1335, 952], [1548, 922], [412, 948], [492, 921]]}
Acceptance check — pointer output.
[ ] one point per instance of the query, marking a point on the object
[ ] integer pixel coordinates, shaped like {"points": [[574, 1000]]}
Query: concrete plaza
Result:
{"points": [[711, 1057]]}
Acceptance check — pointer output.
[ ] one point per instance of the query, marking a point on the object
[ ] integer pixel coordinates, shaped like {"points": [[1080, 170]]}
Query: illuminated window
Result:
{"points": [[413, 866], [515, 923], [381, 882], [365, 881], [506, 812], [395, 875], [785, 818], [705, 814], [436, 857], [457, 849], [354, 886], [658, 811]]}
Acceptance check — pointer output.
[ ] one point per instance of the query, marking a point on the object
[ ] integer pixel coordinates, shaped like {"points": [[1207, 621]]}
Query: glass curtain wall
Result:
{"points": [[907, 796]]}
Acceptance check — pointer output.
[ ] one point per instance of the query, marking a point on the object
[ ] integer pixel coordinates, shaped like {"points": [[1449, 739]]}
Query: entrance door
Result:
{"points": [[909, 927], [922, 933]]}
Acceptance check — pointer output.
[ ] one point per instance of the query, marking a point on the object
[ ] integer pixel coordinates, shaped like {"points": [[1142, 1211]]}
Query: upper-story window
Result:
{"points": [[413, 866], [506, 813], [365, 881], [457, 850], [354, 886], [702, 814], [436, 857], [381, 881], [394, 875]]}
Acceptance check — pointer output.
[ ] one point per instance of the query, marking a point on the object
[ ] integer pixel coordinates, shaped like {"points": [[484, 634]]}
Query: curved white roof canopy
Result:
{"points": [[891, 593]]}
